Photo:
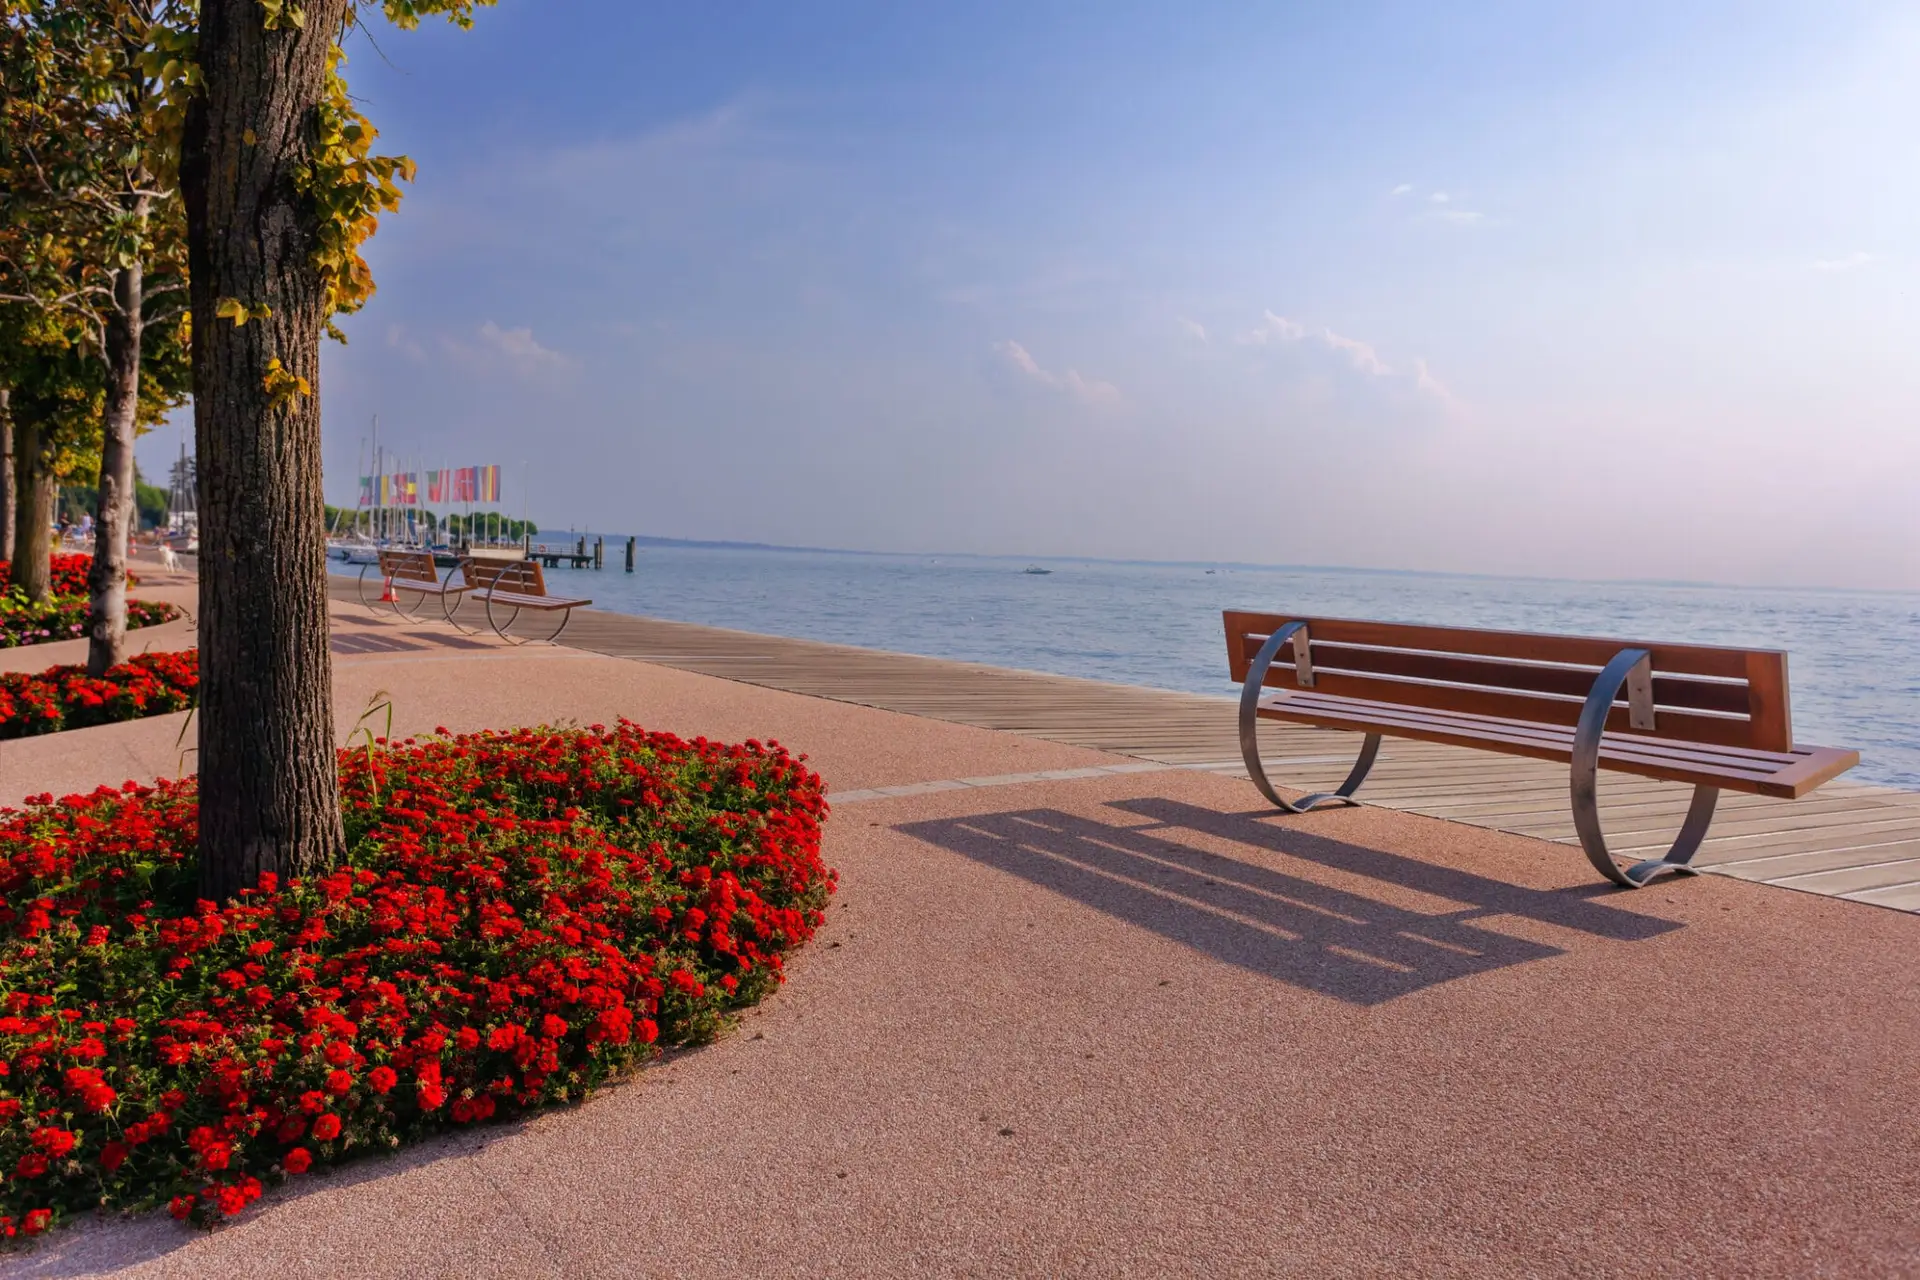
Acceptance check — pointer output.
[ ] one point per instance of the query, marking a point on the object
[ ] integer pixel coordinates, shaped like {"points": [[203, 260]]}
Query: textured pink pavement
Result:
{"points": [[1131, 1026]]}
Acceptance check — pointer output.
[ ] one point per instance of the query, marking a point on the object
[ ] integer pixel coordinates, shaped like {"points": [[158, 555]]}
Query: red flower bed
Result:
{"points": [[65, 618], [68, 698], [69, 574], [521, 917]]}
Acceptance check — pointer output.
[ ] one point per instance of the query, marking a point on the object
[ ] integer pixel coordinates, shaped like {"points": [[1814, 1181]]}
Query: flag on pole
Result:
{"points": [[463, 484], [366, 491], [489, 484], [436, 486]]}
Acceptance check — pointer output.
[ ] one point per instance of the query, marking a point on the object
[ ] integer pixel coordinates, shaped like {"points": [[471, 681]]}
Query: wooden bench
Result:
{"points": [[1715, 718], [516, 585], [412, 573]]}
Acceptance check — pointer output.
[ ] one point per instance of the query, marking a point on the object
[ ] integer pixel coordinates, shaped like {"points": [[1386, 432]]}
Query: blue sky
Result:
{"points": [[1616, 291]]}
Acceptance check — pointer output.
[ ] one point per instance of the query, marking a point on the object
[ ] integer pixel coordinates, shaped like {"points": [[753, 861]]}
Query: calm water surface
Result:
{"points": [[1855, 667]]}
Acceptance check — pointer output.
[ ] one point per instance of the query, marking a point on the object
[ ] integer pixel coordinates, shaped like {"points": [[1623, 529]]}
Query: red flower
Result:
{"points": [[298, 1160], [339, 1082], [113, 1155], [326, 1128], [431, 1096], [382, 1079], [55, 1142]]}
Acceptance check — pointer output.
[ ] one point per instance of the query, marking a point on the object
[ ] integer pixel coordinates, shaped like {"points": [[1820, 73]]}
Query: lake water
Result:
{"points": [[1855, 667]]}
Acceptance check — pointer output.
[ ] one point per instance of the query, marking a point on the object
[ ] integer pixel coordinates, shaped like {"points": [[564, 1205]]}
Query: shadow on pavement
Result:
{"points": [[1330, 940]]}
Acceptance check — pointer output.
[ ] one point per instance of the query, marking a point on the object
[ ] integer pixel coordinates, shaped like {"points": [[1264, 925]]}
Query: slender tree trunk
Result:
{"points": [[113, 515], [33, 496], [7, 499], [268, 781]]}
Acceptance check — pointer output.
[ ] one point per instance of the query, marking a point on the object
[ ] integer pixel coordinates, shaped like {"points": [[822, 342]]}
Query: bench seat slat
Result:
{"points": [[1787, 775], [535, 602], [1741, 757]]}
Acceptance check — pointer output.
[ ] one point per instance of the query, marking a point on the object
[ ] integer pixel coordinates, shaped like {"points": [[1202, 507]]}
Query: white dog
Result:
{"points": [[169, 559]]}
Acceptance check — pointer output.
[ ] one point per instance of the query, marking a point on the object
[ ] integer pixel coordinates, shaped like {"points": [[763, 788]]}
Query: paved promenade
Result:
{"points": [[1088, 1013]]}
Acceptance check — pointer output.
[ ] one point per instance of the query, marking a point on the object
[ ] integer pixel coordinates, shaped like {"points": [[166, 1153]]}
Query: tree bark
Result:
{"points": [[268, 778], [33, 496], [113, 514], [7, 498]]}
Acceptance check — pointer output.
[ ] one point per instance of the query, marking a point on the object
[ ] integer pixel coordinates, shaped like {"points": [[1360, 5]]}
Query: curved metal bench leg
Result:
{"points": [[373, 606], [450, 605], [1250, 737], [1583, 785], [497, 628], [566, 616], [405, 612]]}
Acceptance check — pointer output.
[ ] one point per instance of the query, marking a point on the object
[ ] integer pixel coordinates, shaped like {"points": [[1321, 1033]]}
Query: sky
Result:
{"points": [[1609, 291]]}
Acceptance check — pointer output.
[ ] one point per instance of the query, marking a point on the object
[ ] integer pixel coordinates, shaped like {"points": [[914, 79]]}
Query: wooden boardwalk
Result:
{"points": [[1849, 840]]}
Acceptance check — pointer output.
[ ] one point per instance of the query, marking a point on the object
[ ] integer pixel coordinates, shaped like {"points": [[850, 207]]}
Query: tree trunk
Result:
{"points": [[113, 515], [7, 498], [33, 496], [268, 780]]}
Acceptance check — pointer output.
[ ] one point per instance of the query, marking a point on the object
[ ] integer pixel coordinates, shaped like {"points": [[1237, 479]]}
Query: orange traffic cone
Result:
{"points": [[386, 591]]}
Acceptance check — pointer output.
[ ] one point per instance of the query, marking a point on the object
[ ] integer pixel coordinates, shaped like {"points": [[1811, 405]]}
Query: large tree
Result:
{"points": [[54, 402], [94, 230], [281, 189]]}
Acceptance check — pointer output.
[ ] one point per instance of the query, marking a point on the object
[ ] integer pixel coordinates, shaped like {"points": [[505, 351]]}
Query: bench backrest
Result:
{"points": [[408, 566], [1726, 697], [516, 577]]}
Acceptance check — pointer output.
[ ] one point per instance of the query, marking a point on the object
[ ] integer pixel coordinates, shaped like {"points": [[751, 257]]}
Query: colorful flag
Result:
{"points": [[489, 484], [366, 491], [386, 491], [464, 484], [436, 486], [406, 492]]}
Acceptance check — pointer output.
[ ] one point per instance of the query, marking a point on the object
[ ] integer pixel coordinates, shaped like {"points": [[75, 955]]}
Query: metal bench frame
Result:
{"points": [[520, 572], [445, 590], [1629, 669]]}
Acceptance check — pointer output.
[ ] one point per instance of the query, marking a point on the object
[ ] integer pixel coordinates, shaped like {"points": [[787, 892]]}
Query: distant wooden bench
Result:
{"points": [[403, 573], [512, 586], [1715, 718]]}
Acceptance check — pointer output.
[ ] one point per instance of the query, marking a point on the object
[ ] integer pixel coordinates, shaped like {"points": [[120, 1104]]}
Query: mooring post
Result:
{"points": [[629, 555], [599, 552], [580, 549]]}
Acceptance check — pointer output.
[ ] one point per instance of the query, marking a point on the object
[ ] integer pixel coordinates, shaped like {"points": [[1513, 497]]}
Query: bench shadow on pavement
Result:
{"points": [[1300, 930]]}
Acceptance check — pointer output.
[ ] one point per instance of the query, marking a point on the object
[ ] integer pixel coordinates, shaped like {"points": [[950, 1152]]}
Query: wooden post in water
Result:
{"points": [[629, 555], [599, 552], [580, 549]]}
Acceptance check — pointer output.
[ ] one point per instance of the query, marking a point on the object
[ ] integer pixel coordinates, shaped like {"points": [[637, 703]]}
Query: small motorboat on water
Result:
{"points": [[1034, 568]]}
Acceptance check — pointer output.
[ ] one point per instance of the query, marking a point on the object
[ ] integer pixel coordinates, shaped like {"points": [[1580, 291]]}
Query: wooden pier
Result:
{"points": [[1851, 840]]}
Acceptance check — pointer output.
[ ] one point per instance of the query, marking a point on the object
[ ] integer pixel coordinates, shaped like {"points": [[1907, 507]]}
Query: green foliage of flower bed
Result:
{"points": [[521, 918], [68, 698], [64, 618]]}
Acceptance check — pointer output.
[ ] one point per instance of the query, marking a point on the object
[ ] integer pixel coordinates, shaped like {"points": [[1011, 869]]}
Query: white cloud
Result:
{"points": [[399, 340], [1402, 189], [1273, 328], [519, 346], [1461, 217], [1851, 262], [1087, 390], [1361, 354], [515, 350], [1439, 197], [1425, 383], [1193, 327]]}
